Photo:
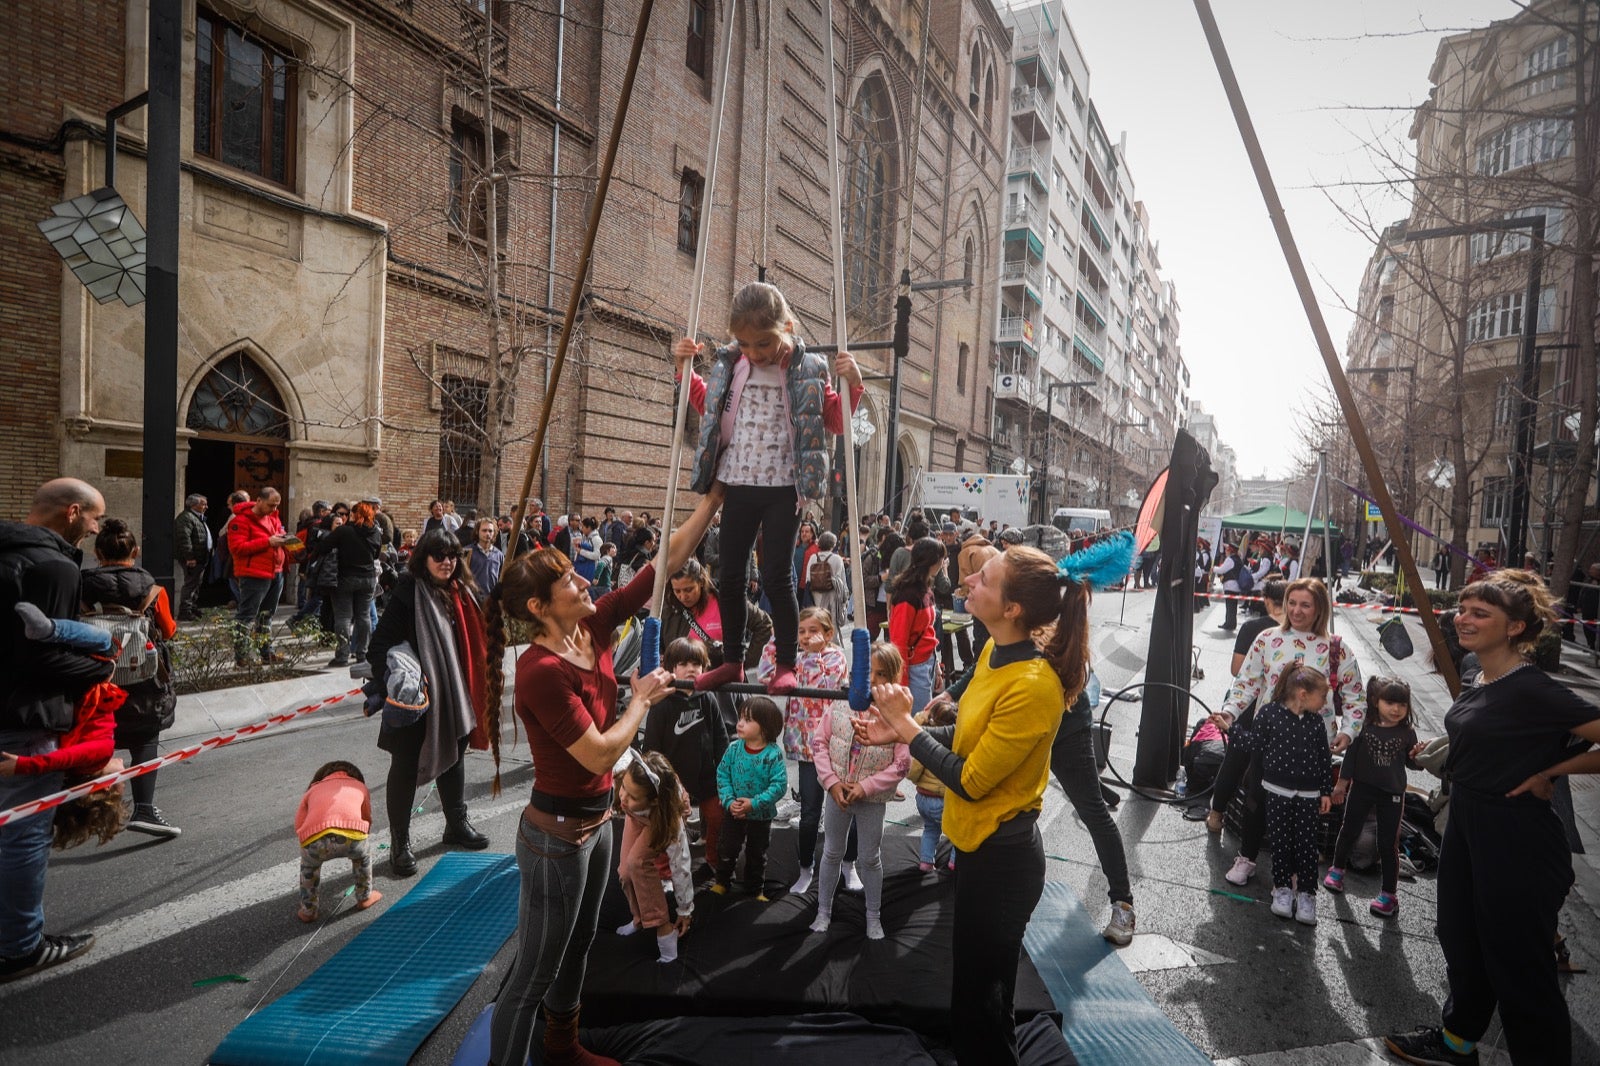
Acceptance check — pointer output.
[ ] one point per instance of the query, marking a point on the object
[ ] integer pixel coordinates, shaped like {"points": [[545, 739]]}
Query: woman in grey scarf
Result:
{"points": [[435, 609]]}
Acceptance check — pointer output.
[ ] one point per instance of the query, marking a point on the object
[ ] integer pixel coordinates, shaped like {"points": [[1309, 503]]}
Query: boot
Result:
{"points": [[402, 863], [459, 832], [561, 1047]]}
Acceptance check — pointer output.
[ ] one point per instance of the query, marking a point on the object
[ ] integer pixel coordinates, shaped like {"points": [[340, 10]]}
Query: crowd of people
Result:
{"points": [[974, 716]]}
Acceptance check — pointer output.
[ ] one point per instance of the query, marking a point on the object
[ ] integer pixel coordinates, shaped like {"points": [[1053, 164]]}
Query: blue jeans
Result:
{"points": [[932, 810], [258, 599], [24, 846], [352, 608], [922, 683]]}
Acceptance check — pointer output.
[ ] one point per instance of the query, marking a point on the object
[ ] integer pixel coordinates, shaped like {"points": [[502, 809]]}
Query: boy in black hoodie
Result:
{"points": [[688, 728]]}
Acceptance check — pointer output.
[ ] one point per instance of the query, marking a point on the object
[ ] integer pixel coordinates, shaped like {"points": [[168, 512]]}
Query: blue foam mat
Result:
{"points": [[380, 996], [1106, 1015]]}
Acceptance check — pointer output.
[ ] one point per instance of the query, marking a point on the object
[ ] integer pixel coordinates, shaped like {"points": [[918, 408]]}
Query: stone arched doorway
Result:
{"points": [[241, 432]]}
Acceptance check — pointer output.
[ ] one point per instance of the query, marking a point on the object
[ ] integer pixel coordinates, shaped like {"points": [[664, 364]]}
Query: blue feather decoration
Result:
{"points": [[1102, 563]]}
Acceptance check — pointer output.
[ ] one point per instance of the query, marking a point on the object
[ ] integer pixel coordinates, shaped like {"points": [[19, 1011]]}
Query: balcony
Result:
{"points": [[1014, 329], [1009, 386], [1030, 162], [1025, 213], [1032, 103], [1022, 272], [1087, 353]]}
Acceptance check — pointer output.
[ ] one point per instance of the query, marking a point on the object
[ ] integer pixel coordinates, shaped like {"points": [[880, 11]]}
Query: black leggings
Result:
{"points": [[774, 512], [1241, 769], [1362, 798], [144, 786], [405, 749], [997, 886]]}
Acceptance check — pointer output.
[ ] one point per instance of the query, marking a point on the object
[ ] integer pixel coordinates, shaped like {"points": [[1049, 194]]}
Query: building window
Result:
{"points": [[470, 175], [245, 98], [1523, 144], [1485, 246], [691, 198], [969, 264], [697, 52], [463, 414], [1552, 56], [237, 397], [963, 352], [988, 97], [1505, 409], [961, 455], [1496, 501], [1501, 316], [972, 77], [872, 177]]}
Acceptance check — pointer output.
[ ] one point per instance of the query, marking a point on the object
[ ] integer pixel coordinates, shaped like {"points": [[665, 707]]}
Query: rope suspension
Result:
{"points": [[860, 636], [650, 652]]}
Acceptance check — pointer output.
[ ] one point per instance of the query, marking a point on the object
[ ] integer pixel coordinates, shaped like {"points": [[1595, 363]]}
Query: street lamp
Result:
{"points": [[1528, 379], [1049, 433]]}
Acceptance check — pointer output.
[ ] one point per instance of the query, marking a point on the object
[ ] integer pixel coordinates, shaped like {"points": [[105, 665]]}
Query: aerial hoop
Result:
{"points": [[650, 650]]}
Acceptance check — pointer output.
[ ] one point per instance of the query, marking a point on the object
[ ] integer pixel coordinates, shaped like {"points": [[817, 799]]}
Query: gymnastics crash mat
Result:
{"points": [[380, 996]]}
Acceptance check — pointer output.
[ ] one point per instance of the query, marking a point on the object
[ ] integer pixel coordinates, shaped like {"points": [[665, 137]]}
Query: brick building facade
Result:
{"points": [[340, 216]]}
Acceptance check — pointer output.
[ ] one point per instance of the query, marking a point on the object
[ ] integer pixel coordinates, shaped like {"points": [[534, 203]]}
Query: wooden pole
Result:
{"points": [[1319, 328], [575, 299], [658, 593]]}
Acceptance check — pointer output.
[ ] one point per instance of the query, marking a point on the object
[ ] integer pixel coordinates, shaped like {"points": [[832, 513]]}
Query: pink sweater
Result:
{"points": [[338, 801]]}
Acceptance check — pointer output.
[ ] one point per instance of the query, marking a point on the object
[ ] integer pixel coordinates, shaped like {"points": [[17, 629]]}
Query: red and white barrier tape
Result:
{"points": [[1369, 607], [56, 799]]}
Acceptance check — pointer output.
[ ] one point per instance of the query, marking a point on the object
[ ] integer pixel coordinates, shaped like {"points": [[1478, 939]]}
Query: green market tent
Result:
{"points": [[1272, 518]]}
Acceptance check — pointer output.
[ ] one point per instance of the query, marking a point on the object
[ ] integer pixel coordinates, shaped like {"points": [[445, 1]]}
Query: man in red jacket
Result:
{"points": [[255, 540]]}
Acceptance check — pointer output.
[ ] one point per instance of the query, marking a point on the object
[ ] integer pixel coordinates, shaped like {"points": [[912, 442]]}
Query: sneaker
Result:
{"points": [[925, 867], [307, 914], [1283, 902], [1119, 930], [51, 951], [1426, 1047], [801, 883], [761, 897], [1408, 869], [1241, 873], [1385, 906], [372, 897], [788, 810], [147, 819], [719, 889], [874, 927], [1214, 822], [1334, 882], [1305, 908]]}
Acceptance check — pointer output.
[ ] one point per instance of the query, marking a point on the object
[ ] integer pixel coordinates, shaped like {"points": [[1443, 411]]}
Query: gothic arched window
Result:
{"points": [[237, 398], [872, 178]]}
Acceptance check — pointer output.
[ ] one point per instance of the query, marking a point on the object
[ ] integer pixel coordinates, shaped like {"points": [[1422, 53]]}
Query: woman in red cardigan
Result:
{"points": [[912, 618]]}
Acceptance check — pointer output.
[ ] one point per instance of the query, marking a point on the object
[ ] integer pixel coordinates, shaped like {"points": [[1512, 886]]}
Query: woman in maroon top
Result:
{"points": [[566, 696]]}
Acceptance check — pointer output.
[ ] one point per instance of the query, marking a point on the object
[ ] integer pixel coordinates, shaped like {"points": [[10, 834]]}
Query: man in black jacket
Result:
{"points": [[191, 546], [40, 685]]}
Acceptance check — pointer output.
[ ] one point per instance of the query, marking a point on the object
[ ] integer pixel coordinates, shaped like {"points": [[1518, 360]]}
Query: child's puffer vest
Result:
{"points": [[853, 761], [806, 380]]}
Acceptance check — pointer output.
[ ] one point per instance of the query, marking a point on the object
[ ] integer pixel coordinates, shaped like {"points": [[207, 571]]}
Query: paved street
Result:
{"points": [[220, 900]]}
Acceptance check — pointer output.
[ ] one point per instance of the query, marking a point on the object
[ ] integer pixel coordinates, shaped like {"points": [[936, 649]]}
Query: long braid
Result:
{"points": [[494, 623]]}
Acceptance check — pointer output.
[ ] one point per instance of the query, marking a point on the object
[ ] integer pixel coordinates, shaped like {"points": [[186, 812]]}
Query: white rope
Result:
{"points": [[702, 242], [858, 583]]}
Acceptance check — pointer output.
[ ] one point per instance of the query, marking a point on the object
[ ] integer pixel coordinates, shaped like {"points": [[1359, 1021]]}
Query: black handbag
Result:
{"points": [[1394, 638]]}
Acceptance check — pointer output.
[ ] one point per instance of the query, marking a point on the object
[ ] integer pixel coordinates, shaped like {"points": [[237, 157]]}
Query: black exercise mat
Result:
{"points": [[752, 959]]}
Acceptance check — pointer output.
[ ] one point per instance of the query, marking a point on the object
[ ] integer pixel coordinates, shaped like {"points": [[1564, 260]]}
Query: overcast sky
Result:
{"points": [[1317, 77]]}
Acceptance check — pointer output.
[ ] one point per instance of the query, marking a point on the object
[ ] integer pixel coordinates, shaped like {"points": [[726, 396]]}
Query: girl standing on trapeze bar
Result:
{"points": [[768, 444]]}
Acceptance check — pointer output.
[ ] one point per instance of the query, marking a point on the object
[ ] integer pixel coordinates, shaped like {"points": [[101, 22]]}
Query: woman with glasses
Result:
{"points": [[435, 610]]}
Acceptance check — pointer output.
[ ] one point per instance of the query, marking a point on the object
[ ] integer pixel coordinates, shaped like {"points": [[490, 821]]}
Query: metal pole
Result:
{"points": [[902, 348], [581, 274], [1330, 575], [1527, 401], [160, 489], [1319, 327]]}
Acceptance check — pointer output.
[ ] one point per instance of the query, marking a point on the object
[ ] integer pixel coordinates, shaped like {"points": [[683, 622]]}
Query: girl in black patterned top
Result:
{"points": [[1374, 778]]}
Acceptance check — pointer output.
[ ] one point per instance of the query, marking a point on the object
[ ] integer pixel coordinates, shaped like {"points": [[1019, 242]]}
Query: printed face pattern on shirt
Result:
{"points": [[761, 451]]}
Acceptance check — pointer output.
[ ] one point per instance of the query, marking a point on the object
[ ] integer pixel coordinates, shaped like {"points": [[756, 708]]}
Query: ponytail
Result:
{"points": [[1055, 609], [494, 623]]}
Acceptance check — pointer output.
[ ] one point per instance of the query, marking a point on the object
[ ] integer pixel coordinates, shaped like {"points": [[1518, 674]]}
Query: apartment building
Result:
{"points": [[1089, 383]]}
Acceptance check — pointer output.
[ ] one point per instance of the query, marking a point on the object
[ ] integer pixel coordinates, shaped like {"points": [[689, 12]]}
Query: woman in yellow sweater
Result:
{"points": [[995, 764]]}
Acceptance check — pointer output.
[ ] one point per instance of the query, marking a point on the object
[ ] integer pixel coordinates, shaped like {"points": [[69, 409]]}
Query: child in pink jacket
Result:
{"points": [[859, 779], [332, 823]]}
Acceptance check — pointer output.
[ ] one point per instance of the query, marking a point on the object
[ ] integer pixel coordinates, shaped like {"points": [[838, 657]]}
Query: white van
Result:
{"points": [[1081, 520]]}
